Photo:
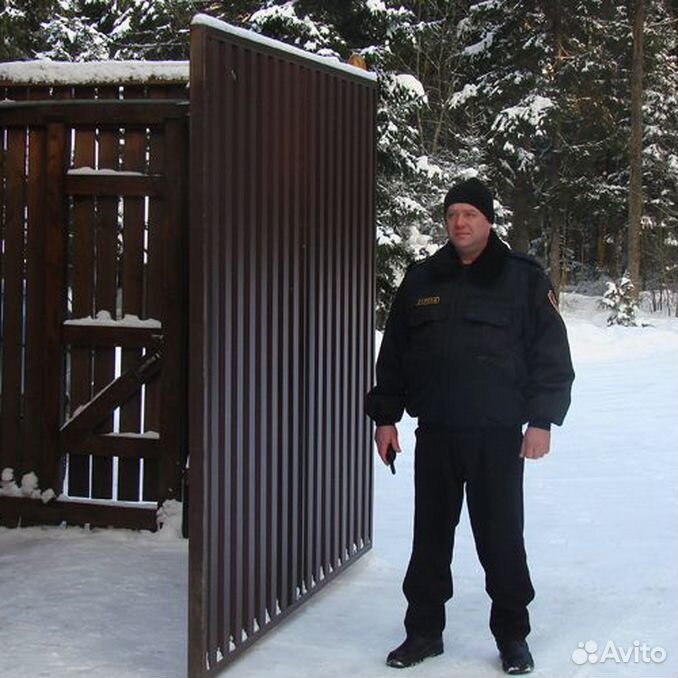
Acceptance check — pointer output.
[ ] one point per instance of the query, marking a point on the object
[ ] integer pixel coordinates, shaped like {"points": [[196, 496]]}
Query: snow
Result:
{"points": [[481, 46], [29, 486], [151, 435], [103, 318], [375, 6], [601, 517], [90, 171], [8, 486], [468, 92], [315, 33], [93, 72], [430, 169], [285, 11], [251, 36], [532, 111], [412, 85]]}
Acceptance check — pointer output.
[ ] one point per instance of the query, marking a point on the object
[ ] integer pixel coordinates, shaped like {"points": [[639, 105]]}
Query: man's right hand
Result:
{"points": [[385, 436]]}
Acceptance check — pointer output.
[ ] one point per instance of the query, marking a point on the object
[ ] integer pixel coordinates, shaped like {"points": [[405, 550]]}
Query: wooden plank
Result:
{"points": [[331, 357], [133, 159], [115, 394], [34, 403], [220, 248], [173, 379], [364, 371], [3, 196], [236, 431], [19, 511], [82, 283], [178, 92], [251, 422], [323, 338], [55, 295], [286, 284], [114, 185], [102, 335], [117, 445], [12, 317], [106, 284], [342, 320], [99, 114], [318, 142], [295, 332], [56, 206], [272, 203], [262, 274], [311, 349], [354, 383], [153, 293], [19, 94]]}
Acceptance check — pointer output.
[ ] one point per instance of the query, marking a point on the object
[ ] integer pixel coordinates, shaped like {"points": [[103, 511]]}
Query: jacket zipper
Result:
{"points": [[451, 342]]}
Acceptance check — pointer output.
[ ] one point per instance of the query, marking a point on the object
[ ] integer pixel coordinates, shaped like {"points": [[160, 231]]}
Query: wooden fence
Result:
{"points": [[93, 274], [281, 332]]}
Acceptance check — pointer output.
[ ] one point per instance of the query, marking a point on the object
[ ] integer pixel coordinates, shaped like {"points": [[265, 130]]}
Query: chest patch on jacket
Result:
{"points": [[427, 301]]}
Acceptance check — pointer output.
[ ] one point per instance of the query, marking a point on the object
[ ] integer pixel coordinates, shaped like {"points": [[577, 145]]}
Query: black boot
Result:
{"points": [[414, 650], [515, 657]]}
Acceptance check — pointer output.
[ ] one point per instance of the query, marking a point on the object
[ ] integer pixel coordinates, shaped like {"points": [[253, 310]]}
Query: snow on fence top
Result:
{"points": [[251, 36], [53, 73]]}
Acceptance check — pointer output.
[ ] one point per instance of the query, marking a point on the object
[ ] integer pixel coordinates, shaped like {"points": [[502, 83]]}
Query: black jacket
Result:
{"points": [[477, 345]]}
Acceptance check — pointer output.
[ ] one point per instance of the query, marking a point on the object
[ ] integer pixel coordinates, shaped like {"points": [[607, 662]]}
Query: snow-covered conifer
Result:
{"points": [[620, 300]]}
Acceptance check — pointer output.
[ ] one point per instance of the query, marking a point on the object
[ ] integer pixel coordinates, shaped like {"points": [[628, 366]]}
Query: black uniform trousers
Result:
{"points": [[486, 461]]}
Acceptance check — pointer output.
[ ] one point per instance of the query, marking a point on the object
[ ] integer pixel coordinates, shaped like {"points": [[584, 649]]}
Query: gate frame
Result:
{"points": [[208, 653]]}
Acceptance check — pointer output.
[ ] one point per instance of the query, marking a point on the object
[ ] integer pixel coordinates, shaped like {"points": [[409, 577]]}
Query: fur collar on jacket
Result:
{"points": [[483, 271]]}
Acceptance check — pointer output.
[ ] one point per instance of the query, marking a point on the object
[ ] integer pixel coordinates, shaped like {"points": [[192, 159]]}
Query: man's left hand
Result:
{"points": [[536, 443]]}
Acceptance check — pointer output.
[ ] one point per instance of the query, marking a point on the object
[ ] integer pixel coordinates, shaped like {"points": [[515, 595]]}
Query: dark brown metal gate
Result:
{"points": [[92, 265], [281, 333]]}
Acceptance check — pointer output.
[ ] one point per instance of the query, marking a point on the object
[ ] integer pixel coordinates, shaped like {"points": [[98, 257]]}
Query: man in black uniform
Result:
{"points": [[474, 347]]}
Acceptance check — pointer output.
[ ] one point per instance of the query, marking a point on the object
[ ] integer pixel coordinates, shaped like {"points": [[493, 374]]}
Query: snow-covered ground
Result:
{"points": [[601, 535]]}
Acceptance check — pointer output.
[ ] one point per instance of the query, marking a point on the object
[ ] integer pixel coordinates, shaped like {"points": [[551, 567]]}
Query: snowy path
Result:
{"points": [[601, 536]]}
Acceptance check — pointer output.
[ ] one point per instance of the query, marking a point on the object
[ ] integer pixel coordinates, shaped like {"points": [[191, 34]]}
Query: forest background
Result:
{"points": [[569, 110]]}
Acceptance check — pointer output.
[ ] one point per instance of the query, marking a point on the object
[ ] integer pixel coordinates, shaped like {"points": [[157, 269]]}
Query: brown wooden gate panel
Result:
{"points": [[281, 332], [94, 222]]}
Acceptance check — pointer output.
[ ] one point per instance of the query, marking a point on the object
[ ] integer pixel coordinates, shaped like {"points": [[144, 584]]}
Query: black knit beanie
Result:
{"points": [[474, 192]]}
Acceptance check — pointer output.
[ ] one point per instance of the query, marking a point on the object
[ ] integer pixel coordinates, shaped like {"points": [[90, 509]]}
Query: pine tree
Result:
{"points": [[20, 27], [79, 30], [659, 234], [620, 299], [551, 84], [509, 50], [152, 29]]}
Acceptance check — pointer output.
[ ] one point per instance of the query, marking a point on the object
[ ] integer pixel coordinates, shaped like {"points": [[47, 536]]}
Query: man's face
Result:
{"points": [[468, 230]]}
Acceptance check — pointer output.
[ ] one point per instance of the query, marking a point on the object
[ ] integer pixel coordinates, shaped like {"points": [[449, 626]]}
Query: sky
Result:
{"points": [[601, 519]]}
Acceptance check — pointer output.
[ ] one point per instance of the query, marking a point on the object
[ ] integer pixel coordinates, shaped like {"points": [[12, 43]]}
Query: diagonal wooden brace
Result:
{"points": [[118, 392]]}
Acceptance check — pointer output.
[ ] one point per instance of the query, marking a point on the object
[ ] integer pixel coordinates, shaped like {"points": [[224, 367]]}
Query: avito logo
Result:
{"points": [[638, 653]]}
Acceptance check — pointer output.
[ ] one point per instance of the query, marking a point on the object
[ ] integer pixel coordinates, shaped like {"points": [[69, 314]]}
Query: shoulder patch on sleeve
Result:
{"points": [[553, 299]]}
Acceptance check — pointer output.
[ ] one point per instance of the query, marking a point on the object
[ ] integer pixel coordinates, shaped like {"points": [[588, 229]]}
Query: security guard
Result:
{"points": [[474, 347]]}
